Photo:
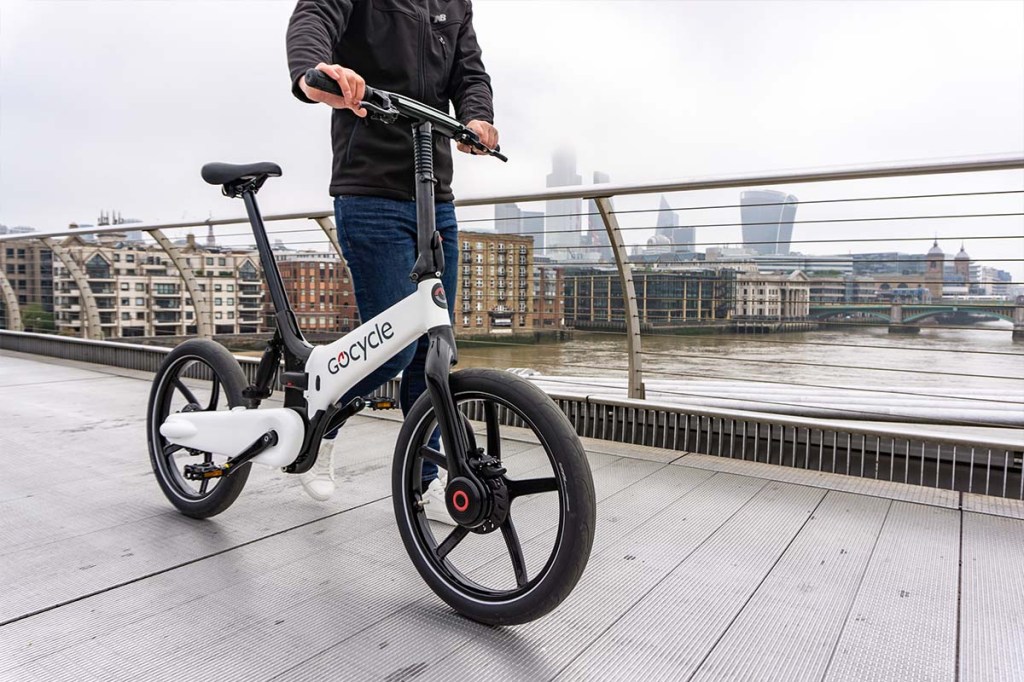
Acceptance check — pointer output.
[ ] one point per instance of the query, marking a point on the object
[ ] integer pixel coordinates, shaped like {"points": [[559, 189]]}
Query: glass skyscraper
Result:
{"points": [[510, 219], [767, 221], [679, 239], [563, 235]]}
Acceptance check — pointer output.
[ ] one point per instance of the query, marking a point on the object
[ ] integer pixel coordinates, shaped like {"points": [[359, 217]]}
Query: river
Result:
{"points": [[980, 365]]}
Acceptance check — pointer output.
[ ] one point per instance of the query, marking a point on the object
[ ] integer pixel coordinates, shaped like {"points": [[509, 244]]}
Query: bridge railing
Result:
{"points": [[709, 294]]}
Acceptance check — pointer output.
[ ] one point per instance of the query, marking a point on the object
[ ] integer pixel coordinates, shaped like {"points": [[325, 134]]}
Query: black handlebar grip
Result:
{"points": [[315, 78]]}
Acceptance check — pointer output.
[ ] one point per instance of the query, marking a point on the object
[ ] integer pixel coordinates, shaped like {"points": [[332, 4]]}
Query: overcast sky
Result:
{"points": [[116, 105]]}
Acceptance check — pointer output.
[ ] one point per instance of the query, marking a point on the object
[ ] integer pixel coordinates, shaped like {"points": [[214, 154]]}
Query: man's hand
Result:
{"points": [[487, 133], [353, 87]]}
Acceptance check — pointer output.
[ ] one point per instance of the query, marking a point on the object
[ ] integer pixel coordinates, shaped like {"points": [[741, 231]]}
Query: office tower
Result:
{"points": [[510, 219], [507, 219], [562, 235], [679, 239], [767, 221]]}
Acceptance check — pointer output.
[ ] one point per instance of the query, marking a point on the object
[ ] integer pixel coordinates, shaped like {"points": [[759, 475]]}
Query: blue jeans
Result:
{"points": [[378, 238]]}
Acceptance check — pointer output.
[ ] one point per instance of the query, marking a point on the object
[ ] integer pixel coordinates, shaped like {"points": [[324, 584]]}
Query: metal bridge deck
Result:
{"points": [[702, 568]]}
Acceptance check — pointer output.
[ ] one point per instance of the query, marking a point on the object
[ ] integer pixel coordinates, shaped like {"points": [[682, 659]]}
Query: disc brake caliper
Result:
{"points": [[480, 510]]}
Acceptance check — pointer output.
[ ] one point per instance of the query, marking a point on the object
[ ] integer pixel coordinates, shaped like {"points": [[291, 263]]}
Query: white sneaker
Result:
{"points": [[433, 501], [318, 482]]}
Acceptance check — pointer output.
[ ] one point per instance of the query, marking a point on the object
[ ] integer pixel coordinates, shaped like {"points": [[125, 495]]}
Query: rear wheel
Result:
{"points": [[198, 375], [527, 557]]}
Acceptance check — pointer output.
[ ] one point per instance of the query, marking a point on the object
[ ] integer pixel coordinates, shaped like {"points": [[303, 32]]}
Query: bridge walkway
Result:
{"points": [[703, 568]]}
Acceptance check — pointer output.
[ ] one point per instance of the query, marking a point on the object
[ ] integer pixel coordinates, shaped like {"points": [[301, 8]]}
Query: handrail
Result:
{"points": [[935, 167], [983, 163]]}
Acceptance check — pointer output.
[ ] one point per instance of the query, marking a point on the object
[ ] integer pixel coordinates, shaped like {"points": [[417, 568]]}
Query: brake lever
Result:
{"points": [[386, 114], [468, 137]]}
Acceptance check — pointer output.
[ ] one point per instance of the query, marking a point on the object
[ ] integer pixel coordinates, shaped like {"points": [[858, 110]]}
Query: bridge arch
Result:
{"points": [[825, 315], [987, 312]]}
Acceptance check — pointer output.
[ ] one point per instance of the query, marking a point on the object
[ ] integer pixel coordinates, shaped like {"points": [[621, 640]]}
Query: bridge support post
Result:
{"points": [[13, 310], [332, 234], [896, 324], [200, 299], [90, 314], [611, 225]]}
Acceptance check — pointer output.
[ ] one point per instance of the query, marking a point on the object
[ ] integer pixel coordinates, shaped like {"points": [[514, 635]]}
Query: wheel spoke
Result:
{"points": [[453, 539], [515, 551], [493, 434], [530, 486], [214, 395], [431, 455], [185, 391]]}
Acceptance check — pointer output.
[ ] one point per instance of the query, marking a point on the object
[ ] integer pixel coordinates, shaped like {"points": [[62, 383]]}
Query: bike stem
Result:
{"points": [[441, 354], [429, 255]]}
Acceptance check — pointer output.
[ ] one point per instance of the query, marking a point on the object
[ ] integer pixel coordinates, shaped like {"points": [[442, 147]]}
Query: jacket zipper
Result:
{"points": [[424, 26]]}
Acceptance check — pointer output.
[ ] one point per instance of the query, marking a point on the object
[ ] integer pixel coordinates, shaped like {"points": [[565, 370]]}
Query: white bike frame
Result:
{"points": [[333, 370]]}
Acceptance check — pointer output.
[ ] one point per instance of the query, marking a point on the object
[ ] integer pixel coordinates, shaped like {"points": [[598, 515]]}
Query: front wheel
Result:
{"points": [[198, 375], [501, 572]]}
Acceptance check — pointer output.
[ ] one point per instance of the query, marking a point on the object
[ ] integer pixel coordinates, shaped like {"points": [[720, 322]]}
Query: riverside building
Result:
{"points": [[139, 292], [496, 284], [319, 288], [666, 297], [28, 265]]}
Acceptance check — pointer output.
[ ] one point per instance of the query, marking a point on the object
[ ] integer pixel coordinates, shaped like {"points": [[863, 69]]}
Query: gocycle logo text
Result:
{"points": [[358, 351]]}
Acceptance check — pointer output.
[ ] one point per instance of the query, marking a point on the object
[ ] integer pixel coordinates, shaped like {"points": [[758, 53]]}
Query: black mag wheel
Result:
{"points": [[198, 375], [528, 556]]}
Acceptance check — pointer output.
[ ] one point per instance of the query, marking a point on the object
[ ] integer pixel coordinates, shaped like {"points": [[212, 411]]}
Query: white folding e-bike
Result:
{"points": [[204, 430]]}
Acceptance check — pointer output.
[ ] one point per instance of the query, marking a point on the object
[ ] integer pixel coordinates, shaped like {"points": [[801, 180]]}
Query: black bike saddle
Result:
{"points": [[224, 173]]}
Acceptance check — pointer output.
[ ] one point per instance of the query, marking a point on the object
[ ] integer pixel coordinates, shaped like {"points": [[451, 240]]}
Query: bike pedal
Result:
{"points": [[382, 403], [199, 472]]}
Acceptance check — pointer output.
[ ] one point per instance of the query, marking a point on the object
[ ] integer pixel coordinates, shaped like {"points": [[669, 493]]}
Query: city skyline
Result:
{"points": [[66, 150]]}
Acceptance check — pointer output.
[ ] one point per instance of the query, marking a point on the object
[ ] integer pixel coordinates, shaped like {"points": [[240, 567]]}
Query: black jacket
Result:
{"points": [[424, 49]]}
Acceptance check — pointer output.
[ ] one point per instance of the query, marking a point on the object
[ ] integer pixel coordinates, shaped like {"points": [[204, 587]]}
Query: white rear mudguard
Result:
{"points": [[229, 433]]}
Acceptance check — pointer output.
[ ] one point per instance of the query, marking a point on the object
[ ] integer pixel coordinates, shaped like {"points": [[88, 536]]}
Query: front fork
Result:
{"points": [[440, 358]]}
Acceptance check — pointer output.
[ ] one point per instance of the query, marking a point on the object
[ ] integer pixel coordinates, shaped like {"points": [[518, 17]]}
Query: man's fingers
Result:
{"points": [[335, 72], [488, 135], [350, 89], [352, 85], [360, 88]]}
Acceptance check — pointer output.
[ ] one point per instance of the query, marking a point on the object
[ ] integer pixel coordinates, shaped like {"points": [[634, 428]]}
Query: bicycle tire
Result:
{"points": [[228, 376], [533, 597]]}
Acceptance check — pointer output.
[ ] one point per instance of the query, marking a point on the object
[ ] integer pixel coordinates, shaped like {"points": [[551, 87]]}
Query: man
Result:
{"points": [[427, 50]]}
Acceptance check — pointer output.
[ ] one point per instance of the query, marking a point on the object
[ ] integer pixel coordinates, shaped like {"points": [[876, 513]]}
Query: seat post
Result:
{"points": [[298, 349]]}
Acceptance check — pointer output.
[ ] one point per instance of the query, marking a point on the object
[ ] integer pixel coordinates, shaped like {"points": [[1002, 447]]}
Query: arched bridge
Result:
{"points": [[907, 315]]}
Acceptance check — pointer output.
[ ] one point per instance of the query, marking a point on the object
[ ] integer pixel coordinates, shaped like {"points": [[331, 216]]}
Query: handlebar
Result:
{"points": [[387, 107]]}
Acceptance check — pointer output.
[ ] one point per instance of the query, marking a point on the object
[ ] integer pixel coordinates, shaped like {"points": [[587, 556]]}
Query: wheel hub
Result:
{"points": [[481, 508], [466, 502]]}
